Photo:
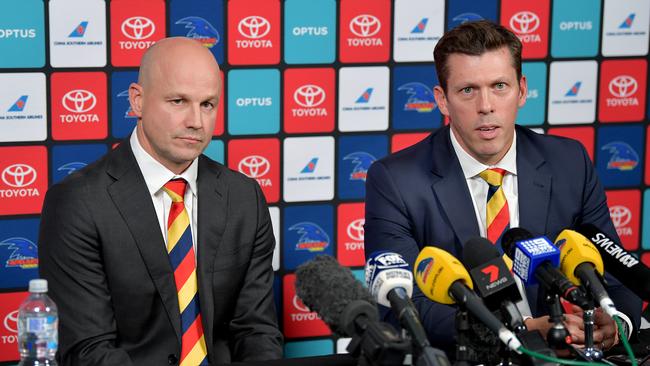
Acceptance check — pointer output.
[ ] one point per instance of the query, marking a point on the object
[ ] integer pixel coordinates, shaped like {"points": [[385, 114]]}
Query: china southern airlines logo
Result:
{"points": [[79, 30], [310, 167], [365, 96], [200, 30], [623, 158], [23, 253], [362, 161], [420, 27], [424, 267], [71, 167], [19, 105], [129, 112], [574, 90], [420, 97], [312, 237], [627, 23]]}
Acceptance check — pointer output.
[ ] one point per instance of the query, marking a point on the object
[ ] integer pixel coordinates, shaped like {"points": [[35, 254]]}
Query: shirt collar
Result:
{"points": [[471, 167], [155, 174]]}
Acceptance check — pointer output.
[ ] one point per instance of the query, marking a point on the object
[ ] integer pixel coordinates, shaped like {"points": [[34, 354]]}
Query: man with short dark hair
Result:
{"points": [[482, 175], [155, 254]]}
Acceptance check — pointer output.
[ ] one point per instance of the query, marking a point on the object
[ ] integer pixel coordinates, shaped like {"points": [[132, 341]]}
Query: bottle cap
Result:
{"points": [[38, 285]]}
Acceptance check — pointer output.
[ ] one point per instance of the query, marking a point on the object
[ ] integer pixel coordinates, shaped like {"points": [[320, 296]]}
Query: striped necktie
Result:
{"points": [[182, 258], [497, 215]]}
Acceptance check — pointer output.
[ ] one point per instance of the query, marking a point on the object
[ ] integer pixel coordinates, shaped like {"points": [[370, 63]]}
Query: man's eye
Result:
{"points": [[208, 105], [500, 85], [176, 101], [467, 90]]}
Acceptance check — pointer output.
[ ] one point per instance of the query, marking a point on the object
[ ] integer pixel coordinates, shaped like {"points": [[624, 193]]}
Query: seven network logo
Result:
{"points": [[138, 29], [623, 87], [525, 23], [254, 28], [365, 27], [201, 30], [79, 102], [256, 167], [19, 177]]}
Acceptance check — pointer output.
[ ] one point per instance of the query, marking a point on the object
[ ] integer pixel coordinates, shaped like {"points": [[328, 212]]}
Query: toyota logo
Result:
{"points": [[19, 175], [620, 215], [355, 229], [254, 27], [365, 25], [524, 22], [79, 101], [298, 304], [309, 95], [138, 28], [11, 322], [623, 86], [254, 166]]}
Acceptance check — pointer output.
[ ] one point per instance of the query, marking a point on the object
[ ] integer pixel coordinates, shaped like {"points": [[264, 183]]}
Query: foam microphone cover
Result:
{"points": [[328, 288]]}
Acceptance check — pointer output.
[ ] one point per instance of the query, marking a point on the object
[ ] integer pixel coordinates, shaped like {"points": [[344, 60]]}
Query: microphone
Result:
{"points": [[621, 264], [443, 279], [492, 278], [582, 264], [536, 260], [348, 309], [390, 281]]}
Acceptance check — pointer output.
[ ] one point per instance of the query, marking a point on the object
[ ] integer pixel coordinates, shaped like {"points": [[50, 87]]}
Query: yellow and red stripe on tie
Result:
{"points": [[497, 214], [182, 259]]}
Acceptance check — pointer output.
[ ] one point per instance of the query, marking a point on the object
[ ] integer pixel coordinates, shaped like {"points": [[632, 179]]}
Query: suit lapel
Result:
{"points": [[131, 197], [451, 189], [534, 186], [212, 217]]}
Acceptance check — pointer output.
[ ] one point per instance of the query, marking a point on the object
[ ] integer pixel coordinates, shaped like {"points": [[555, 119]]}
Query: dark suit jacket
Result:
{"points": [[103, 254], [419, 197]]}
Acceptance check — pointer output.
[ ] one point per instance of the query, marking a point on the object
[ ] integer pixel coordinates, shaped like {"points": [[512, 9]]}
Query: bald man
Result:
{"points": [[155, 254]]}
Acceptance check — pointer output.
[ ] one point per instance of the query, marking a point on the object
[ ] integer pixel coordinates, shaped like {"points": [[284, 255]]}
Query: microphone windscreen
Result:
{"points": [[510, 237], [575, 249], [435, 271], [327, 288]]}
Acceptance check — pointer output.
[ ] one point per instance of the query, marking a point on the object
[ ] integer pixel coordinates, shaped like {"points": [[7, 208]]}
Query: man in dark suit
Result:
{"points": [[106, 232], [433, 193]]}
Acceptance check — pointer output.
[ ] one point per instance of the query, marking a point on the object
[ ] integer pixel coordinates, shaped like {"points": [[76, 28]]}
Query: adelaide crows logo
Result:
{"points": [[424, 267], [362, 161], [420, 97], [312, 237], [24, 253], [71, 167], [200, 30], [623, 158]]}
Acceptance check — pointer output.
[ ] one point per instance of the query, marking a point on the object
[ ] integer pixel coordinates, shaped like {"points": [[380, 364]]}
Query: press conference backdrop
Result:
{"points": [[315, 91]]}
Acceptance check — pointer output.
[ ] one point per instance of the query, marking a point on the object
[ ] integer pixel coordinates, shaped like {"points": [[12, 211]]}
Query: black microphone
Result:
{"points": [[348, 309], [543, 271], [619, 263]]}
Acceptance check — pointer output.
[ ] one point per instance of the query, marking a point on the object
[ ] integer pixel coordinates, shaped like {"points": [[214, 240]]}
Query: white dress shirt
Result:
{"points": [[478, 189], [155, 176]]}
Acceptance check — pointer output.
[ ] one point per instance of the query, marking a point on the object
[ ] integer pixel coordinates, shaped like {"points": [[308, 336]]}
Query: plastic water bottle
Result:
{"points": [[38, 322]]}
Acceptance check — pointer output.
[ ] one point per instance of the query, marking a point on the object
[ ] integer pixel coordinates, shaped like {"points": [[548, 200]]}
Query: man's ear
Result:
{"points": [[523, 91], [441, 99], [136, 93]]}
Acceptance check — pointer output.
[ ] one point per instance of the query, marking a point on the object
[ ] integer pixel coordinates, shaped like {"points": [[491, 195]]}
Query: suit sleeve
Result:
{"points": [[254, 328], [389, 226], [70, 259], [596, 211]]}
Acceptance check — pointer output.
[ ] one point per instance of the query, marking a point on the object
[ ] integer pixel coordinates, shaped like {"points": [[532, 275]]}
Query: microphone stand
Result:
{"points": [[463, 357], [588, 318], [558, 335]]}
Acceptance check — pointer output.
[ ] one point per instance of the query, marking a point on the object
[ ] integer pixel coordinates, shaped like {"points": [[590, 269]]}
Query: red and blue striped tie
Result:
{"points": [[182, 258], [497, 215]]}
